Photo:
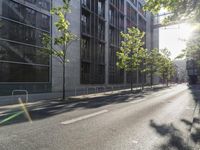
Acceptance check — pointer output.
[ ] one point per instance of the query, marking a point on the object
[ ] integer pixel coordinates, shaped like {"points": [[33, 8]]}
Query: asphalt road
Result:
{"points": [[153, 121]]}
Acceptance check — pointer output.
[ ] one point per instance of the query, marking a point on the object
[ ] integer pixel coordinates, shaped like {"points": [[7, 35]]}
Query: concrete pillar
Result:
{"points": [[107, 42]]}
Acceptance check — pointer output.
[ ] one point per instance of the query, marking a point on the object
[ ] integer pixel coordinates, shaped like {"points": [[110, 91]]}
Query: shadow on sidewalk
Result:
{"points": [[55, 107]]}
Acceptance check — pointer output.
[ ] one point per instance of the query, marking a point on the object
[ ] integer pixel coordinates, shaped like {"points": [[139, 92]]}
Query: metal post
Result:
{"points": [[25, 91]]}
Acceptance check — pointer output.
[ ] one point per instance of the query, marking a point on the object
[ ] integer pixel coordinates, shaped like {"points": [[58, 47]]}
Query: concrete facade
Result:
{"points": [[73, 67], [73, 53], [53, 81]]}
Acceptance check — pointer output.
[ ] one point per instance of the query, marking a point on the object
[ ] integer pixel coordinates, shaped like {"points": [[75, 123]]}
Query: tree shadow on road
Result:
{"points": [[173, 135], [195, 124], [54, 107], [194, 129]]}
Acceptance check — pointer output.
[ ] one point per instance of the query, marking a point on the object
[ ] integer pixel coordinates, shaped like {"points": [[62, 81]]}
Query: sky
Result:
{"points": [[175, 37]]}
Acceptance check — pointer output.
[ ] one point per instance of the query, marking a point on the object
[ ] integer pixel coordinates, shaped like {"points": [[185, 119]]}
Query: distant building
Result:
{"points": [[193, 71], [97, 23]]}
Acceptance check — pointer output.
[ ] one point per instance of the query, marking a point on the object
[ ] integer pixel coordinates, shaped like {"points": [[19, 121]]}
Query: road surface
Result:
{"points": [[153, 121]]}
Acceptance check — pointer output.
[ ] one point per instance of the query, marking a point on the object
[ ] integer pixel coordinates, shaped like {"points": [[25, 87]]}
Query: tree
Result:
{"points": [[131, 53], [152, 63], [63, 39], [166, 68], [179, 9]]}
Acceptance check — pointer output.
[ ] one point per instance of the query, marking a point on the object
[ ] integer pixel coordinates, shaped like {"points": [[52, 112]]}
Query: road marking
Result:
{"points": [[135, 142], [137, 101], [189, 108], [83, 117]]}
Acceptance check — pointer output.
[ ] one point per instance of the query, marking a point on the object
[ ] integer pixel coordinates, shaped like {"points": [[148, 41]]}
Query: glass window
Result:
{"points": [[85, 22], [20, 33], [21, 53], [101, 8], [86, 3], [31, 1], [18, 12], [30, 16], [101, 30], [111, 15], [45, 4], [85, 48], [11, 10], [101, 53], [10, 72], [85, 73]]}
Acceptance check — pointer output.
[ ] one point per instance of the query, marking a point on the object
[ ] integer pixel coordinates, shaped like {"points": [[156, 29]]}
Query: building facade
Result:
{"points": [[22, 64], [97, 23]]}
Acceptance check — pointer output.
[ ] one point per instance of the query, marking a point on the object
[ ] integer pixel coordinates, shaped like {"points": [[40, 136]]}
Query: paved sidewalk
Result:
{"points": [[194, 137], [75, 98], [102, 94]]}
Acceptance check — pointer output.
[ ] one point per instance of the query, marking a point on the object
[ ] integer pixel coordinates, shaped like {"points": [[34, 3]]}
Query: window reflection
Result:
{"points": [[20, 53], [10, 72]]}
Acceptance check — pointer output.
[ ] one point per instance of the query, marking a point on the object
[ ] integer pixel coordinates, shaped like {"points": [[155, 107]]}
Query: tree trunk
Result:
{"points": [[64, 71], [131, 80], [151, 80], [167, 83], [137, 77], [63, 92], [142, 81], [163, 79]]}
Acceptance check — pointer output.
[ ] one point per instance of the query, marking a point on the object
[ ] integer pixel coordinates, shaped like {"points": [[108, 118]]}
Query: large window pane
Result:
{"points": [[20, 33], [44, 4], [43, 22], [10, 10], [85, 49], [23, 73], [18, 12], [21, 53]]}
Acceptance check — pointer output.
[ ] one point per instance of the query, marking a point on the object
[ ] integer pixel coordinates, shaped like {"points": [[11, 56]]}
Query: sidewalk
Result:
{"points": [[194, 137], [76, 98], [46, 108]]}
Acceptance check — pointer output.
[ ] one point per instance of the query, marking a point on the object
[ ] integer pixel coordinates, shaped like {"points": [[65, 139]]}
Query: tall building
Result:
{"points": [[97, 23], [22, 64]]}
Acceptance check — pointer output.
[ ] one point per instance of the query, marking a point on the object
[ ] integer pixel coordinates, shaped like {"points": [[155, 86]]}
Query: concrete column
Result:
{"points": [[73, 52], [107, 42], [125, 25]]}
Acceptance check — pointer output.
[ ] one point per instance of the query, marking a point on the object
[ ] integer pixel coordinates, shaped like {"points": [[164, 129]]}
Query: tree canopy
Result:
{"points": [[132, 52], [179, 9]]}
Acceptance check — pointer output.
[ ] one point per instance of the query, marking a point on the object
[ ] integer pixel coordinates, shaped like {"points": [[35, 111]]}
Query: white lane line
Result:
{"points": [[84, 117], [135, 142], [137, 101]]}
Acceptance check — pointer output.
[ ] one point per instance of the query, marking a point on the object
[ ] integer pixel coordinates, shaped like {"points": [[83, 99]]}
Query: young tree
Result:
{"points": [[166, 67], [131, 53], [63, 39], [152, 63]]}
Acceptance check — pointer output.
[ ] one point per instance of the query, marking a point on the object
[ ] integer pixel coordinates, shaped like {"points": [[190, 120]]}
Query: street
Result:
{"points": [[155, 120]]}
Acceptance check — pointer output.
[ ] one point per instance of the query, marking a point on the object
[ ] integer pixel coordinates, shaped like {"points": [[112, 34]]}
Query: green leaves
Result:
{"points": [[180, 9], [131, 53], [166, 67], [64, 38]]}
